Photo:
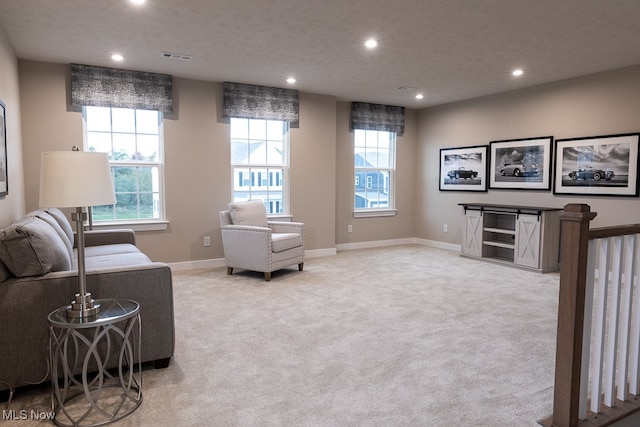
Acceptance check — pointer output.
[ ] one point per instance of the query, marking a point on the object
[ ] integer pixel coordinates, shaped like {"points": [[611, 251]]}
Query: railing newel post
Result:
{"points": [[574, 241]]}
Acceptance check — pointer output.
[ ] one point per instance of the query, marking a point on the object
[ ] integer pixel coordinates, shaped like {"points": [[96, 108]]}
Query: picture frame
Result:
{"points": [[521, 164], [4, 175], [463, 168], [597, 165]]}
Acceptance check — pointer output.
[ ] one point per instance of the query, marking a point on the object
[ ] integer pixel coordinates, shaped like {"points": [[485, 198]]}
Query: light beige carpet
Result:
{"points": [[396, 336]]}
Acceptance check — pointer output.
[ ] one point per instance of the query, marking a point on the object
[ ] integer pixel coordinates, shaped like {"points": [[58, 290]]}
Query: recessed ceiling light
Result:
{"points": [[291, 80], [137, 2], [517, 72], [117, 57], [419, 96], [371, 43]]}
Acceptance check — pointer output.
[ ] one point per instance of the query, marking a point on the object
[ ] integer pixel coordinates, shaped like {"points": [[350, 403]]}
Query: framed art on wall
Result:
{"points": [[463, 169], [597, 165], [4, 186], [521, 164]]}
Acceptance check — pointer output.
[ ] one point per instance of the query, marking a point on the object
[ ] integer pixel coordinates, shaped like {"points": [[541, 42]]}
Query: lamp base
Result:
{"points": [[83, 307]]}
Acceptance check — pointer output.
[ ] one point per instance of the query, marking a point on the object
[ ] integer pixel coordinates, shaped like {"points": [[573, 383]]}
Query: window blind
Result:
{"points": [[113, 87], [377, 117], [260, 102]]}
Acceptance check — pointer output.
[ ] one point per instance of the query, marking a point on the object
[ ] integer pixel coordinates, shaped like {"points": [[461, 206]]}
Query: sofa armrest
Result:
{"points": [[27, 301], [108, 237], [286, 227]]}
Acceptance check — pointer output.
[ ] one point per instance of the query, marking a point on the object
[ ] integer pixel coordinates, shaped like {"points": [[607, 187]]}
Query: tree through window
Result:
{"points": [[133, 139]]}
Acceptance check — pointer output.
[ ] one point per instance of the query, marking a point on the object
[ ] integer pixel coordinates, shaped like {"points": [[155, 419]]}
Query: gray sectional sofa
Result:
{"points": [[38, 273]]}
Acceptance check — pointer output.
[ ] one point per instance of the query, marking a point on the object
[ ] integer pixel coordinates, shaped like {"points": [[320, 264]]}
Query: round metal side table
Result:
{"points": [[96, 368]]}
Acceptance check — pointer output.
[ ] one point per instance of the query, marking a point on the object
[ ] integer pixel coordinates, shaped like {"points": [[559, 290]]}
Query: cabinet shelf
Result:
{"points": [[500, 230], [520, 236], [499, 244]]}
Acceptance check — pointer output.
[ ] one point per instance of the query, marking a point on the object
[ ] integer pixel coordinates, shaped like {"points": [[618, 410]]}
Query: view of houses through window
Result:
{"points": [[260, 162], [133, 139], [374, 162]]}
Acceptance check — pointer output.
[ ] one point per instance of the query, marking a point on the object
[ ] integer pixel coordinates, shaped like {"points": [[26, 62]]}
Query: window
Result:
{"points": [[260, 162], [374, 165], [134, 141]]}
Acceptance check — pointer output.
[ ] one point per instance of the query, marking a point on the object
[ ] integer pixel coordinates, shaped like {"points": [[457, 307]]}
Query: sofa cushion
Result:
{"points": [[111, 249], [53, 222], [116, 260], [283, 241], [62, 221], [251, 212], [4, 272], [31, 247]]}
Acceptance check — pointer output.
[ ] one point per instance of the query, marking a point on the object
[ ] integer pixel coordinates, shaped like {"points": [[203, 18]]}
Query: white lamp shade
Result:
{"points": [[72, 179]]}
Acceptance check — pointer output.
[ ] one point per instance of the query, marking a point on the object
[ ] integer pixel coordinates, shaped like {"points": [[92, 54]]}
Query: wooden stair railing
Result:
{"points": [[598, 341]]}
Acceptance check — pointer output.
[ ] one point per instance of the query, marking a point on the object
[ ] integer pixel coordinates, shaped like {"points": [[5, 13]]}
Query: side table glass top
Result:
{"points": [[111, 309]]}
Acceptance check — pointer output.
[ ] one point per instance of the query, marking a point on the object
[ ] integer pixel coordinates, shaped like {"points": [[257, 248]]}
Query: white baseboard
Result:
{"points": [[439, 245], [395, 242], [219, 262], [316, 253], [374, 244], [194, 265]]}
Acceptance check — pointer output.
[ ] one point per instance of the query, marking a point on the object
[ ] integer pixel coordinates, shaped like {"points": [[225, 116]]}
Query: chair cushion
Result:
{"points": [[251, 212], [283, 241], [31, 247]]}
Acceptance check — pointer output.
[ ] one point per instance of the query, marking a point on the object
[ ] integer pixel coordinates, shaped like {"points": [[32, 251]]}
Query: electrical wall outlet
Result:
{"points": [[445, 228], [207, 241], [349, 228]]}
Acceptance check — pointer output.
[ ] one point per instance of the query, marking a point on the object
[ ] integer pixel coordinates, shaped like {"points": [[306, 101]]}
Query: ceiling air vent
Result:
{"points": [[178, 56]]}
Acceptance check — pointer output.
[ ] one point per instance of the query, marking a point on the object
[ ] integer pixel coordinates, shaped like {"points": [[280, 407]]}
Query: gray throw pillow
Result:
{"points": [[49, 219], [31, 247], [4, 272]]}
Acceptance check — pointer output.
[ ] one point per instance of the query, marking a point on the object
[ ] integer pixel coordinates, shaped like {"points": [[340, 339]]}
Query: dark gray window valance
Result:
{"points": [[260, 102], [377, 117], [112, 87]]}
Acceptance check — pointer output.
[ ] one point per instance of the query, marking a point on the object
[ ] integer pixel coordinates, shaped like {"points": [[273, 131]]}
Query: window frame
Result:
{"points": [[264, 172], [137, 224], [390, 210]]}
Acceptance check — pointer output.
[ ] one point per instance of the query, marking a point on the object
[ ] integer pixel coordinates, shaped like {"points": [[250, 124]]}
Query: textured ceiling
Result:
{"points": [[450, 50]]}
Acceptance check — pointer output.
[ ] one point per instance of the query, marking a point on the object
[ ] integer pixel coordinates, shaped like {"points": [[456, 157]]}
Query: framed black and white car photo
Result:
{"points": [[521, 164], [597, 165], [4, 186], [463, 169]]}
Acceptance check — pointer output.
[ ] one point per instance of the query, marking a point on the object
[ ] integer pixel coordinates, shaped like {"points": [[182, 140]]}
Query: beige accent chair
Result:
{"points": [[251, 242]]}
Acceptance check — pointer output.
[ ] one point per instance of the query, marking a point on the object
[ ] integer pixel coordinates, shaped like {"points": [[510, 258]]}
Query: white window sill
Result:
{"points": [[279, 217], [368, 213], [142, 225]]}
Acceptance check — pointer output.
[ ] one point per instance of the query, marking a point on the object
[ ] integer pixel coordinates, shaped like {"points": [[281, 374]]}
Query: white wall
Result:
{"points": [[602, 104], [197, 171], [12, 206]]}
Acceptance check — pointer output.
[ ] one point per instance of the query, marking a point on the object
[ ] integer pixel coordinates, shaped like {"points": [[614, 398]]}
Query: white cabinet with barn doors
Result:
{"points": [[521, 236]]}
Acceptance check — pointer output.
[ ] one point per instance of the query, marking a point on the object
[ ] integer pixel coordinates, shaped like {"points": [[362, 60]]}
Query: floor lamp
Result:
{"points": [[76, 179]]}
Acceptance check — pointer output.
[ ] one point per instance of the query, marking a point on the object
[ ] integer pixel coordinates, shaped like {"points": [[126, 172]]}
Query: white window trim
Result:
{"points": [[369, 213], [373, 212], [150, 224], [285, 174], [141, 225]]}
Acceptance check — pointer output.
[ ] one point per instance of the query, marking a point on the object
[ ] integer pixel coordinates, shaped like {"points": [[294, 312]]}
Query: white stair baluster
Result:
{"points": [[599, 325], [586, 330]]}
